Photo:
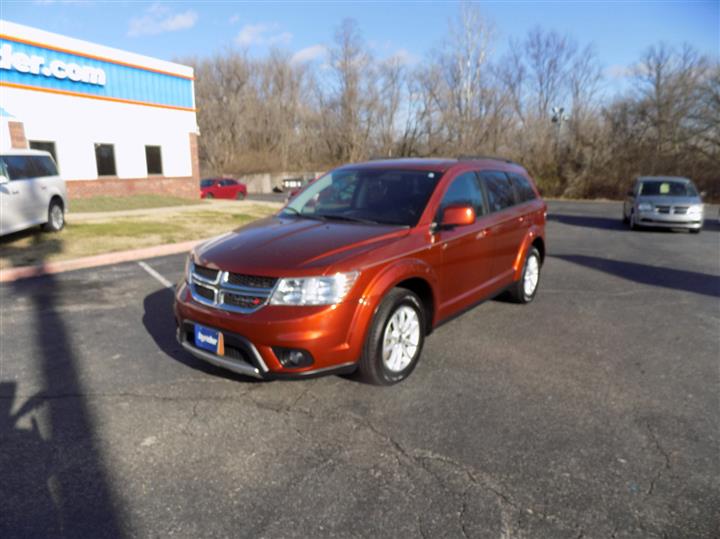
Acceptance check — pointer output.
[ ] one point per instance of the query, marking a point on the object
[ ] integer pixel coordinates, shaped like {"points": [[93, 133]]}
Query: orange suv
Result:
{"points": [[360, 266]]}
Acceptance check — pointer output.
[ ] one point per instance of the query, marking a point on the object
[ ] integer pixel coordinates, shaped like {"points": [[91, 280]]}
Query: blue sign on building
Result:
{"points": [[36, 66]]}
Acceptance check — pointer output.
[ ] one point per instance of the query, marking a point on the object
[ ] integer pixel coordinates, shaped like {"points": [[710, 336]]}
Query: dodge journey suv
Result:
{"points": [[360, 266]]}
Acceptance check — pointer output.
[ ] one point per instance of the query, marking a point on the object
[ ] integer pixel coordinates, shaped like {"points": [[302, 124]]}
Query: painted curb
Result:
{"points": [[26, 272]]}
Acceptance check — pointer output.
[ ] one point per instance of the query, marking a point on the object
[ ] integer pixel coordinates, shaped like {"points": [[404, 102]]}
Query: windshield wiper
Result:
{"points": [[297, 213], [338, 217]]}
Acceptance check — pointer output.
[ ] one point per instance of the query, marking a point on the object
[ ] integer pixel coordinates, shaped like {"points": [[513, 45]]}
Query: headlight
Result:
{"points": [[696, 209], [314, 290], [645, 206]]}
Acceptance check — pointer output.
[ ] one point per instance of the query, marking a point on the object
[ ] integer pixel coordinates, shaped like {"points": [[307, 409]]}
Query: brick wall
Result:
{"points": [[117, 187], [194, 158], [17, 135]]}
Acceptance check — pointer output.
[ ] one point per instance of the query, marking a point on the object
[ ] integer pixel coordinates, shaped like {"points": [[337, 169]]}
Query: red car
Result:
{"points": [[360, 266], [222, 188]]}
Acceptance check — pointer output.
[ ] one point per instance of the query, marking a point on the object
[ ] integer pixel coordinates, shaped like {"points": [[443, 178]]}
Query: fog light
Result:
{"points": [[293, 358]]}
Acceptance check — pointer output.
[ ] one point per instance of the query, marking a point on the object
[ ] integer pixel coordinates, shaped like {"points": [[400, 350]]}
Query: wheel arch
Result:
{"points": [[534, 238], [414, 275]]}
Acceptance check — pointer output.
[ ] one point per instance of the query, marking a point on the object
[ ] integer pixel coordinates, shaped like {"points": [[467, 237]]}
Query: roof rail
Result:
{"points": [[492, 157]]}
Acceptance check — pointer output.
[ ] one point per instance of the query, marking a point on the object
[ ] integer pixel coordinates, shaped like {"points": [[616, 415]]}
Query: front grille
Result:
{"points": [[251, 281], [242, 301], [205, 292], [230, 291], [206, 273], [681, 210], [663, 209]]}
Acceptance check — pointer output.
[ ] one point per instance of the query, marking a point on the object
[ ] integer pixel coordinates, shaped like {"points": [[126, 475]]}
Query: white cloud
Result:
{"points": [[405, 57], [159, 19], [618, 71], [234, 19], [308, 54], [261, 34]]}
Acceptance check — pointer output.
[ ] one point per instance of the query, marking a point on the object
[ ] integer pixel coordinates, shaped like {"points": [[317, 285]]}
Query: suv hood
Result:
{"points": [[669, 201], [284, 246]]}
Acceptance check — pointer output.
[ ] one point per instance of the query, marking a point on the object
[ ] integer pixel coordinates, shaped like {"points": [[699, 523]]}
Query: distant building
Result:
{"points": [[116, 122]]}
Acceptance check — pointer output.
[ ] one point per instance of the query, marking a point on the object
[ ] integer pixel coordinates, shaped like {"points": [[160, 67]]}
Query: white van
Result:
{"points": [[31, 192]]}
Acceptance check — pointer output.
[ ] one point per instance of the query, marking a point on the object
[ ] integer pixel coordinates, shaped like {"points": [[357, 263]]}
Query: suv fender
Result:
{"points": [[393, 275]]}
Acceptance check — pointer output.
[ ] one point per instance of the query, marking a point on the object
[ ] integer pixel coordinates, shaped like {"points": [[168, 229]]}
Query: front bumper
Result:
{"points": [[332, 335], [670, 221], [246, 360]]}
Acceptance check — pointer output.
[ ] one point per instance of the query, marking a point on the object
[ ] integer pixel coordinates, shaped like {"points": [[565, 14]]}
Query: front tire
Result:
{"points": [[56, 217], [524, 290], [395, 340], [240, 196], [633, 224]]}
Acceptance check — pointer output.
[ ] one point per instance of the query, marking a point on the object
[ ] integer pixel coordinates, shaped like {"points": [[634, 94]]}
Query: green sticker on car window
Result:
{"points": [[664, 188]]}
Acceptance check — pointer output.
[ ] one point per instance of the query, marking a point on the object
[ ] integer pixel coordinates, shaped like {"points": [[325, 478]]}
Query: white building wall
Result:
{"points": [[75, 124]]}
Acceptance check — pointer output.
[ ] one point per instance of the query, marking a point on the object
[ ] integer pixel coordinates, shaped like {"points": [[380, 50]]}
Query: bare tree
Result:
{"points": [[270, 113]]}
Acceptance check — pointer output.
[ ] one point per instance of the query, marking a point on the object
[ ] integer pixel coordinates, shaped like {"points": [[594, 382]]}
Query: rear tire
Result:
{"points": [[524, 290], [395, 339], [56, 217]]}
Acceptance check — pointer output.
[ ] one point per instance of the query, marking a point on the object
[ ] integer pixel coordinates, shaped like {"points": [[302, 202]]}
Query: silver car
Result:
{"points": [[31, 192], [664, 201]]}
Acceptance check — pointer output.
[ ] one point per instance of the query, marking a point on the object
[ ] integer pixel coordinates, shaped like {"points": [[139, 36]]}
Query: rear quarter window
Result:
{"points": [[499, 190]]}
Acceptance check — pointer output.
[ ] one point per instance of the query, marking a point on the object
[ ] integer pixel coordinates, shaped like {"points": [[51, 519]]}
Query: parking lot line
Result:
{"points": [[162, 280]]}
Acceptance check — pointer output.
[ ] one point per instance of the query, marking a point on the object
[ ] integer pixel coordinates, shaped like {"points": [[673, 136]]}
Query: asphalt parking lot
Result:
{"points": [[593, 412]]}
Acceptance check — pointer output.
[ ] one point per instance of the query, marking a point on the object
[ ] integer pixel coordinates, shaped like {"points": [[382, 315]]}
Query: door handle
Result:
{"points": [[43, 187], [521, 219], [483, 233], [13, 192]]}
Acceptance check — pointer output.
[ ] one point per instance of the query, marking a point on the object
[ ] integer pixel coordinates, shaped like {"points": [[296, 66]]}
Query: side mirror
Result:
{"points": [[4, 180], [703, 194], [630, 193], [459, 215]]}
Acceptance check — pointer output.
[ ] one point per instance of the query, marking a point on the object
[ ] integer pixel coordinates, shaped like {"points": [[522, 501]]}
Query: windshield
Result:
{"points": [[378, 196], [667, 188]]}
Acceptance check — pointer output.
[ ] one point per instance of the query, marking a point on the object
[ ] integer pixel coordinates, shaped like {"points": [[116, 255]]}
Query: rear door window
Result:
{"points": [[44, 165], [499, 190], [523, 189]]}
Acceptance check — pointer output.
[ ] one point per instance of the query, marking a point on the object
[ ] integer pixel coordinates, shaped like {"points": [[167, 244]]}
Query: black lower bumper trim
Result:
{"points": [[243, 361]]}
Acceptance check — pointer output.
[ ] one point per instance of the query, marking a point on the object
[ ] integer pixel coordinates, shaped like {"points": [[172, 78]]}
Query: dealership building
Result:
{"points": [[116, 122]]}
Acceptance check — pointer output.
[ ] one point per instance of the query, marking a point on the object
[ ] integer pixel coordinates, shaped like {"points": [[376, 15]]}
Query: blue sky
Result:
{"points": [[620, 31]]}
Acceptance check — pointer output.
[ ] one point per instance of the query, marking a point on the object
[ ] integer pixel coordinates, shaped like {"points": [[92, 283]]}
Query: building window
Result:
{"points": [[105, 159], [153, 158], [45, 146]]}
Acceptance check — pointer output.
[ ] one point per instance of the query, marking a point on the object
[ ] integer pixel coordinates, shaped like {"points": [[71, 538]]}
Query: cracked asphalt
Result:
{"points": [[593, 412]]}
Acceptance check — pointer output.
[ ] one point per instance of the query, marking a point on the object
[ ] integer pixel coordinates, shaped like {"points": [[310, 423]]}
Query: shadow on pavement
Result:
{"points": [[53, 480], [159, 322], [688, 281], [605, 223]]}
